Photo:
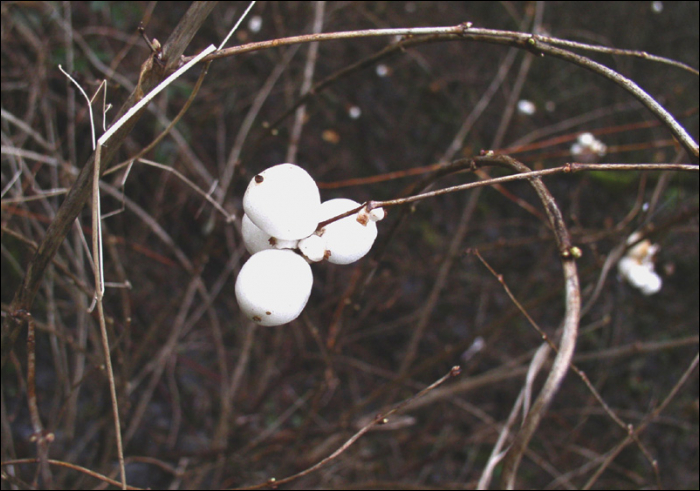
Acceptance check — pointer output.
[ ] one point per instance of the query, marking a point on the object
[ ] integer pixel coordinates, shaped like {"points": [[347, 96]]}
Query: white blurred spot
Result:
{"points": [[255, 23], [382, 70], [637, 266], [657, 7], [354, 112], [587, 148], [476, 346], [526, 107]]}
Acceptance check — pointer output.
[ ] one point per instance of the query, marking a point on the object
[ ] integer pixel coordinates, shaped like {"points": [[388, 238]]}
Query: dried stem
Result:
{"points": [[309, 67], [68, 465], [550, 344], [473, 164], [41, 437], [534, 43], [151, 75], [379, 419], [635, 432]]}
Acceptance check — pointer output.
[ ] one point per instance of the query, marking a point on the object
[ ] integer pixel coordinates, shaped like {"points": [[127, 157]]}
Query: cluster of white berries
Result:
{"points": [[637, 266], [587, 148], [282, 212]]}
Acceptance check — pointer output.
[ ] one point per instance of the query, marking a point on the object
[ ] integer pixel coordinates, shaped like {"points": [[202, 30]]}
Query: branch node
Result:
{"points": [[532, 46], [465, 26]]}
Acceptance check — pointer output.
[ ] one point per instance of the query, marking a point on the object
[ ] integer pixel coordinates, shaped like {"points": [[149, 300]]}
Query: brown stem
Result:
{"points": [[378, 420], [39, 436], [151, 75]]}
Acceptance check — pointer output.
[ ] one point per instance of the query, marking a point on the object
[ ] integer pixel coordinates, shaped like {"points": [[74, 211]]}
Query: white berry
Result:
{"points": [[313, 247], [274, 286], [347, 240], [256, 240], [284, 202]]}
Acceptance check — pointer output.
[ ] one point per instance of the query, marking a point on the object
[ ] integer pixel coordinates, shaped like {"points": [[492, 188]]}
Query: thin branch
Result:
{"points": [[551, 345], [471, 164], [235, 27], [67, 465], [379, 419], [197, 189], [151, 75], [41, 437], [635, 432], [619, 52], [309, 68]]}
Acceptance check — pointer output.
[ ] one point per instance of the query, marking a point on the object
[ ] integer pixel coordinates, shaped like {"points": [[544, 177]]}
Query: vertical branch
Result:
{"points": [[99, 292], [306, 84], [97, 241], [39, 436], [568, 254], [78, 195]]}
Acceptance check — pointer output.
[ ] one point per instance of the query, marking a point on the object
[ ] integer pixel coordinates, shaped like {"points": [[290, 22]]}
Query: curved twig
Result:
{"points": [[539, 45], [561, 362]]}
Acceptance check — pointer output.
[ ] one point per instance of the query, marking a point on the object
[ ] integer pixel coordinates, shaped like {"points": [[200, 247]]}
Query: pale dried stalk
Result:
{"points": [[97, 242]]}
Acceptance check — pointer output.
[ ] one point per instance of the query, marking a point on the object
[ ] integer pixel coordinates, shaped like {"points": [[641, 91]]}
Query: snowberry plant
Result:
{"points": [[281, 230]]}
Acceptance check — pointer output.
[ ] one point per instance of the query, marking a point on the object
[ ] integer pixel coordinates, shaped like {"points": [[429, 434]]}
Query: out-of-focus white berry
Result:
{"points": [[255, 23], [347, 240], [284, 202], [273, 287], [313, 248], [354, 112], [256, 240], [526, 107], [637, 266], [586, 139], [587, 148]]}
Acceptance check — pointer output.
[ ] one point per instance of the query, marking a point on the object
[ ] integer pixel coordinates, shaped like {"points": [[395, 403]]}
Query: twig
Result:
{"points": [[309, 67], [235, 27], [530, 42], [379, 419], [67, 465], [97, 240], [471, 164], [151, 75], [550, 344], [197, 189], [41, 437], [635, 432]]}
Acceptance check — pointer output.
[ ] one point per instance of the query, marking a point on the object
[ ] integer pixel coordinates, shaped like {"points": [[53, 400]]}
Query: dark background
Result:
{"points": [[292, 397]]}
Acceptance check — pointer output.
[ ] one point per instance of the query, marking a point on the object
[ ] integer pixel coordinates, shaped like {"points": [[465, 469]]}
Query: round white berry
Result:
{"points": [[313, 247], [274, 286], [347, 239], [284, 202], [256, 240]]}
